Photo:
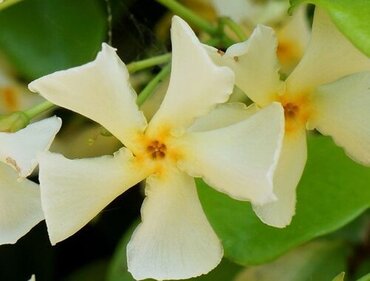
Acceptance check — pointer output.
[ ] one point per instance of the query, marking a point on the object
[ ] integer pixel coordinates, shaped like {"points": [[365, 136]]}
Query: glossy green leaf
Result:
{"points": [[40, 37], [319, 261], [333, 191], [7, 3], [117, 270], [365, 278], [351, 17], [363, 268]]}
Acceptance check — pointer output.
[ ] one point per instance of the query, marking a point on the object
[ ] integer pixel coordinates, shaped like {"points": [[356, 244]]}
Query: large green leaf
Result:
{"points": [[365, 278], [333, 191], [42, 36], [319, 261], [7, 3], [351, 17]]}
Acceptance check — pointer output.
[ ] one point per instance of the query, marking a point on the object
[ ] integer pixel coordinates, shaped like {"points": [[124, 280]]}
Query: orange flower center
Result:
{"points": [[297, 111], [156, 149]]}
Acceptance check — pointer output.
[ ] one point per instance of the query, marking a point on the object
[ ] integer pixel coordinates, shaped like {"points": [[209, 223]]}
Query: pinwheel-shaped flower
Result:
{"points": [[329, 91], [20, 197], [292, 32], [174, 240]]}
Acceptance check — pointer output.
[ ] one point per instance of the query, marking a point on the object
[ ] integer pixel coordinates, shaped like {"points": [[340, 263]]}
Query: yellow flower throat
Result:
{"points": [[297, 111]]}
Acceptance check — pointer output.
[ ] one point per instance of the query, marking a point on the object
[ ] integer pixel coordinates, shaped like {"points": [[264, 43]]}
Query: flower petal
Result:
{"points": [[328, 57], [342, 111], [99, 90], [196, 83], [20, 149], [174, 240], [240, 159], [222, 116], [237, 10], [293, 38], [74, 191], [250, 12], [20, 206], [255, 65], [288, 173]]}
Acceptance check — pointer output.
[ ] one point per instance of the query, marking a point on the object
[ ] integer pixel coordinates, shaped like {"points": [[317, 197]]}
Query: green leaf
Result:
{"points": [[365, 278], [40, 37], [351, 17], [117, 270], [363, 268], [319, 261], [333, 191], [7, 3]]}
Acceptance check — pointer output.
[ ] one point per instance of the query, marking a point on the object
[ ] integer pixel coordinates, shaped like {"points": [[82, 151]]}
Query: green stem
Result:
{"points": [[238, 31], [214, 41], [189, 16], [39, 109], [7, 3], [148, 90], [143, 64]]}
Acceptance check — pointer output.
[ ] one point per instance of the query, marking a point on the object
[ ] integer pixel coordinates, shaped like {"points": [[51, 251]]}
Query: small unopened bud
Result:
{"points": [[13, 122]]}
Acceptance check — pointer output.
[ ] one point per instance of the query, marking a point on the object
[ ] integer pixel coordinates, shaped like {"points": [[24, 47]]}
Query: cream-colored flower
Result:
{"points": [[329, 91], [174, 240], [293, 32], [14, 96], [20, 197]]}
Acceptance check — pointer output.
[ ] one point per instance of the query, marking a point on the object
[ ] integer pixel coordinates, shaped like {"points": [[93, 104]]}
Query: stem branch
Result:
{"points": [[238, 31], [143, 64], [149, 88], [39, 109], [189, 16]]}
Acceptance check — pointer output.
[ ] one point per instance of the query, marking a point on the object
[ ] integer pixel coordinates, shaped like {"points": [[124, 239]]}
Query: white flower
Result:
{"points": [[14, 96], [327, 91], [293, 32], [174, 240], [20, 198]]}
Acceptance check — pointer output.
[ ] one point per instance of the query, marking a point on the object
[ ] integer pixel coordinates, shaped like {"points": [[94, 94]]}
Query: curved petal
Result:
{"points": [[222, 116], [328, 57], [287, 175], [293, 38], [236, 9], [250, 12], [239, 160], [99, 90], [196, 83], [174, 240], [255, 65], [342, 111], [20, 149], [20, 206], [74, 191]]}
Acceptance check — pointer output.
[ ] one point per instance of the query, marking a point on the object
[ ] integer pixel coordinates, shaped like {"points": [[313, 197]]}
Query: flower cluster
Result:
{"points": [[255, 153]]}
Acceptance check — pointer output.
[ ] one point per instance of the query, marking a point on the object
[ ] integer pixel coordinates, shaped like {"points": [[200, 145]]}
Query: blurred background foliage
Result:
{"points": [[330, 233]]}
